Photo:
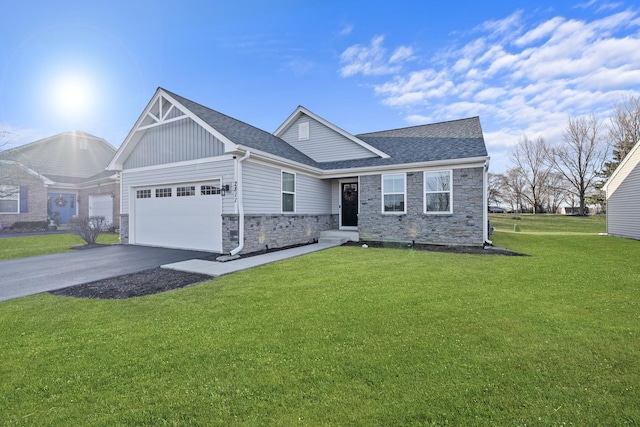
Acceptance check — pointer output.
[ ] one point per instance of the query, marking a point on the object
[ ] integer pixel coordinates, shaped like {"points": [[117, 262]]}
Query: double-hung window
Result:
{"points": [[437, 192], [9, 199], [288, 192], [394, 193]]}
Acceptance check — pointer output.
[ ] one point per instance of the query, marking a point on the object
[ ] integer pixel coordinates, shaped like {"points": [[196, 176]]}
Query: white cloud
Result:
{"points": [[520, 76], [373, 59]]}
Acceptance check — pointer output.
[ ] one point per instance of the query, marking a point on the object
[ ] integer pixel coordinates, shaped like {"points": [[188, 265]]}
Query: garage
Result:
{"points": [[101, 205], [185, 216]]}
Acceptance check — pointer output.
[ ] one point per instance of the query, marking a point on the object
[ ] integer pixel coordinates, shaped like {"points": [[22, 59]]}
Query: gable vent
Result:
{"points": [[303, 131]]}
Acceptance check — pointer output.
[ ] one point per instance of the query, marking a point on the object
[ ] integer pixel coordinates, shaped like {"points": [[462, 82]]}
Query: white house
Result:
{"points": [[194, 178], [623, 197]]}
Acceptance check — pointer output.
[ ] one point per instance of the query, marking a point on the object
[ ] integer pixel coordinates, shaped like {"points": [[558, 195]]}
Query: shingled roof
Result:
{"points": [[244, 134], [451, 140]]}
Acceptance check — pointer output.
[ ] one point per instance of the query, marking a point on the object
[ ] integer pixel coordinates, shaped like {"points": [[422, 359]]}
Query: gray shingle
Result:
{"points": [[457, 139]]}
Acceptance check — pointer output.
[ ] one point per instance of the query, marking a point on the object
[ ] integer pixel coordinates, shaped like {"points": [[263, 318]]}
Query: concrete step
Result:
{"points": [[338, 237]]}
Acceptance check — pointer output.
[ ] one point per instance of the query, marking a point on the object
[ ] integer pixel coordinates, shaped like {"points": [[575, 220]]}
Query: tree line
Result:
{"points": [[542, 177]]}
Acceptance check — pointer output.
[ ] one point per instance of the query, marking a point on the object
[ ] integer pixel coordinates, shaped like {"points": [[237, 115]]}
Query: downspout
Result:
{"points": [[485, 203], [240, 204]]}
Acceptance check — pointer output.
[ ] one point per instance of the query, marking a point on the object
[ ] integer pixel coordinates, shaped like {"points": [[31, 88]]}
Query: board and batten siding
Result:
{"points": [[623, 200], [179, 174], [324, 144], [262, 191], [177, 141]]}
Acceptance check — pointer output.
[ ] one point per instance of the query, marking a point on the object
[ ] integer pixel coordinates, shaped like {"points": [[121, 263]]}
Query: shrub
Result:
{"points": [[88, 227], [29, 226]]}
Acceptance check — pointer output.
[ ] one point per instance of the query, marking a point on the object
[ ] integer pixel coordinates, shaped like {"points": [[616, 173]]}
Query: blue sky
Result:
{"points": [[523, 67]]}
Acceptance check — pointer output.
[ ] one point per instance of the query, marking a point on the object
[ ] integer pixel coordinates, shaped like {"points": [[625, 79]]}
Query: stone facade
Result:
{"points": [[462, 227], [124, 229], [36, 200], [274, 231]]}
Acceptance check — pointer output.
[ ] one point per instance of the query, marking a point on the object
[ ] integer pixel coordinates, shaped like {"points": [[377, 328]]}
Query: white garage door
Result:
{"points": [[101, 205], [186, 216]]}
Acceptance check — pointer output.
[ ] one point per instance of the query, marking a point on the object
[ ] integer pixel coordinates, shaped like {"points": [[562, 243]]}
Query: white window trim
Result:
{"points": [[382, 193], [424, 192], [282, 192], [15, 196]]}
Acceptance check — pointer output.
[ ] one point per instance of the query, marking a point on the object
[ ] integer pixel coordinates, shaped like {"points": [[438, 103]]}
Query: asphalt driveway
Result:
{"points": [[29, 276]]}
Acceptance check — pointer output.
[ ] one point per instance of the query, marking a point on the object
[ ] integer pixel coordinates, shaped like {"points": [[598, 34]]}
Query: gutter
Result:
{"points": [[485, 203], [240, 205]]}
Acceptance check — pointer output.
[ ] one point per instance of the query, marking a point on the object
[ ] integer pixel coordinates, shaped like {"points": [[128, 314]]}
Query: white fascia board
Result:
{"points": [[194, 162], [620, 166], [132, 140], [301, 110], [280, 161], [473, 162]]}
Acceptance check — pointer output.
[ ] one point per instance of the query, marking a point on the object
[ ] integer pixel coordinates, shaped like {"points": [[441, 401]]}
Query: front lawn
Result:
{"points": [[23, 247], [347, 336]]}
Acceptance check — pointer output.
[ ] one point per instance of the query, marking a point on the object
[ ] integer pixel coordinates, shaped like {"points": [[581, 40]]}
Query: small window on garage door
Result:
{"points": [[208, 190], [163, 192], [186, 191]]}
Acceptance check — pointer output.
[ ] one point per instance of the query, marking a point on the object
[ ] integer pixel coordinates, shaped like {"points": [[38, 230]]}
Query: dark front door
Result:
{"points": [[349, 211]]}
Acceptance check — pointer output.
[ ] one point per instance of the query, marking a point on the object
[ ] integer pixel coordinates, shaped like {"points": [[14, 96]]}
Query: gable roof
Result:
{"points": [[71, 156], [301, 111], [452, 140], [621, 166], [446, 142], [244, 134]]}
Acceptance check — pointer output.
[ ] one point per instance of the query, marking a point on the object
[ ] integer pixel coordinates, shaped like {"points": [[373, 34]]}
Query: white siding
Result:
{"points": [[178, 141], [183, 173], [324, 144], [313, 195], [623, 200], [262, 186]]}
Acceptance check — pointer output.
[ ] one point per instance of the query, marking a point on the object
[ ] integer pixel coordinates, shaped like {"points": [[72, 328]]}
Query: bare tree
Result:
{"points": [[494, 188], [513, 188], [580, 157], [557, 191], [9, 170], [624, 132], [529, 156]]}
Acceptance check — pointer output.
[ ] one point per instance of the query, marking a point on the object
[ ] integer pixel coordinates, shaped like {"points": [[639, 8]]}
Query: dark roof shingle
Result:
{"points": [[457, 139]]}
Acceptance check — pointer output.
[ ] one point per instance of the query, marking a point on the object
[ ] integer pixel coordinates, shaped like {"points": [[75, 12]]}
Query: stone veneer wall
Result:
{"points": [[462, 227], [274, 231], [124, 229]]}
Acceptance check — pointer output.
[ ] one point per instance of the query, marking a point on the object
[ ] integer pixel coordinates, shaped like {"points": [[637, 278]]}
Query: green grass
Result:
{"points": [[23, 247], [347, 336], [549, 224]]}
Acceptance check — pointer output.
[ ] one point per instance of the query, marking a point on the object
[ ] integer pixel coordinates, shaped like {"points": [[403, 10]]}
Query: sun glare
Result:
{"points": [[72, 95]]}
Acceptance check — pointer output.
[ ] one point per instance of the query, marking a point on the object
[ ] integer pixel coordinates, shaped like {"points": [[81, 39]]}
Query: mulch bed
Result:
{"points": [[146, 282], [158, 280]]}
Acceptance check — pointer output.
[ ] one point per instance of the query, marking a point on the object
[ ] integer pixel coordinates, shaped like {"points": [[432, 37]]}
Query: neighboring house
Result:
{"points": [[623, 197], [194, 178], [57, 178]]}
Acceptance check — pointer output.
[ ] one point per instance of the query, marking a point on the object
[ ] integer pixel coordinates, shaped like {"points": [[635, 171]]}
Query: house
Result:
{"points": [[622, 191], [57, 178], [194, 178]]}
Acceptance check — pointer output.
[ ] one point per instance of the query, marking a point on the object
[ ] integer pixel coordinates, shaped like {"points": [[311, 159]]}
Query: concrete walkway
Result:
{"points": [[215, 268]]}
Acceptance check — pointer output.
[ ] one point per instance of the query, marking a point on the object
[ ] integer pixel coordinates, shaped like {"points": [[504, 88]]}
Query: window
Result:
{"points": [[288, 192], [9, 199], [393, 193], [143, 194], [207, 190], [163, 192], [303, 131], [437, 188], [186, 191]]}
